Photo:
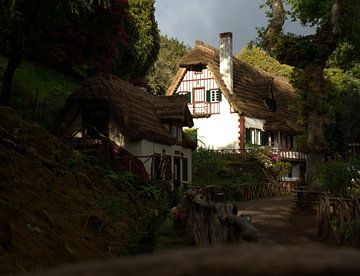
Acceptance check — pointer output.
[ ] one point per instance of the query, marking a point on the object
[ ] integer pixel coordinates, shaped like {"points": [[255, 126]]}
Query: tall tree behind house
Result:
{"points": [[337, 24], [166, 65]]}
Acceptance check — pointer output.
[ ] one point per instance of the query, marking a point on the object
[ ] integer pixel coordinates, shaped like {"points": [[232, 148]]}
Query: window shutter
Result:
{"points": [[219, 95], [188, 97], [248, 136], [208, 96]]}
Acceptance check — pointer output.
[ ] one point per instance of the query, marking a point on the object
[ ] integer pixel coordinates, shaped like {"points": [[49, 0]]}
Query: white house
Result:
{"points": [[235, 105], [140, 124]]}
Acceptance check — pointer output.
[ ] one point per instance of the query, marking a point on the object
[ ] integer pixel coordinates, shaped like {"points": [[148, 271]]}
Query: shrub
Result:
{"points": [[207, 162], [341, 177], [281, 169]]}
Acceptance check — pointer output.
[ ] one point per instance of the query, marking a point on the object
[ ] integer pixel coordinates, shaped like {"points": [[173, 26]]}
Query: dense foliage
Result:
{"points": [[79, 37], [336, 25], [342, 109], [233, 175], [59, 32], [259, 58], [88, 43], [134, 61], [166, 65], [341, 177]]}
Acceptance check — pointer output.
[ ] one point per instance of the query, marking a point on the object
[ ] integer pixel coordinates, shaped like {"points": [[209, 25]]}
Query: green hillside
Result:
{"points": [[38, 92]]}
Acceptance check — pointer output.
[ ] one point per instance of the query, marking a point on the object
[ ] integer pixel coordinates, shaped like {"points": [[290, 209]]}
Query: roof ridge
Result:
{"points": [[207, 47]]}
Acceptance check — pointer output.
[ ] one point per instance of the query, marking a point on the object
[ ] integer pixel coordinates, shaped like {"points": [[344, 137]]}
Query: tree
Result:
{"points": [[259, 58], [134, 61], [337, 24], [166, 65], [24, 24], [344, 100], [89, 43]]}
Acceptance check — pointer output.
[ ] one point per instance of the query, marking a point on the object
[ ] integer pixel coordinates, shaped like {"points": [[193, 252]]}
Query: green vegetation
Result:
{"points": [[123, 35], [337, 30], [340, 177], [259, 58], [165, 67], [171, 236], [134, 61], [191, 134], [226, 172], [51, 196], [342, 110], [39, 93]]}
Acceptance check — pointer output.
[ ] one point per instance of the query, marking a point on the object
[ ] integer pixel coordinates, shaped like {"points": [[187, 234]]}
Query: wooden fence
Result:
{"points": [[265, 190], [245, 191], [339, 219], [254, 191], [210, 223]]}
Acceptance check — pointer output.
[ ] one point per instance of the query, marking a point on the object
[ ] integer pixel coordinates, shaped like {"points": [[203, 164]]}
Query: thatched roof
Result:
{"points": [[139, 114], [251, 88], [173, 109]]}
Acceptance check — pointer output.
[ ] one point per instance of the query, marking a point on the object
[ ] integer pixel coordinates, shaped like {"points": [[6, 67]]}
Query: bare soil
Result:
{"points": [[280, 222]]}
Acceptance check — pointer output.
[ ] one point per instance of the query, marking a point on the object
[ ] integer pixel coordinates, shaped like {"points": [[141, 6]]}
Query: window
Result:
{"points": [[199, 95], [271, 104], [96, 121], [185, 176], [187, 93], [255, 136], [213, 96], [156, 167], [161, 167], [176, 168], [176, 132], [167, 167]]}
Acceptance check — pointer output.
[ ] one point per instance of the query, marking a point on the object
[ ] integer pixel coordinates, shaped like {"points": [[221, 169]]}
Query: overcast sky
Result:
{"points": [[190, 20]]}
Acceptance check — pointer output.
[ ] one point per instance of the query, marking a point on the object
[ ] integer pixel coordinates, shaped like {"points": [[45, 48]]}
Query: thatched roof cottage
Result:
{"points": [[149, 127], [236, 105]]}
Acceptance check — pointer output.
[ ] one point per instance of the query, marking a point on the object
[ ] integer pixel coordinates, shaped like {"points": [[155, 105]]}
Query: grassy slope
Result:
{"points": [[47, 196], [39, 93], [55, 207]]}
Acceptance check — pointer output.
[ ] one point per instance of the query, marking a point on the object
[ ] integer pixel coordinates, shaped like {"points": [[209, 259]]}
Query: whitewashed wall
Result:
{"points": [[295, 173], [145, 148], [219, 131], [148, 148], [254, 123]]}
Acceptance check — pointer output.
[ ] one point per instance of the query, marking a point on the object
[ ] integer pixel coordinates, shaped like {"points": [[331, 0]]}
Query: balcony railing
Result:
{"points": [[276, 153], [286, 154], [204, 108]]}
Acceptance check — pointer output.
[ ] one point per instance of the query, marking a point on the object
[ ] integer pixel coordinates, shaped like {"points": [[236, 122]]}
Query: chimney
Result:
{"points": [[226, 59]]}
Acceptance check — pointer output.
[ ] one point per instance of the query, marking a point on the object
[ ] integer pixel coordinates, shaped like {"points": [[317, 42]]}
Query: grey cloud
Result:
{"points": [[190, 20]]}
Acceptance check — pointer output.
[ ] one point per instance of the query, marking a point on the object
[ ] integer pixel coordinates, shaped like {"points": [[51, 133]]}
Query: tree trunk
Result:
{"points": [[316, 120], [13, 63]]}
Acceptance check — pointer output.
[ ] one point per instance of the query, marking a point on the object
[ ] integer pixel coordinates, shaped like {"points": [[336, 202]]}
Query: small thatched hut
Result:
{"points": [[149, 127]]}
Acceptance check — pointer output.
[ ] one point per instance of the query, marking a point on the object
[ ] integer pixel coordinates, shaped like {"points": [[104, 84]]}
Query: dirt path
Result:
{"points": [[279, 221]]}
